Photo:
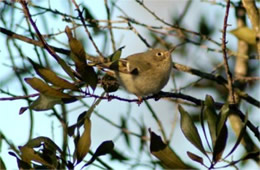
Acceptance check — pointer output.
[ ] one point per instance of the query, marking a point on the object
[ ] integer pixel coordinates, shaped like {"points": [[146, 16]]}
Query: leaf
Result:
{"points": [[87, 73], [28, 154], [84, 142], [211, 116], [222, 133], [76, 47], [22, 110], [47, 154], [220, 144], [21, 164], [44, 102], [245, 34], [240, 137], [165, 154], [45, 89], [36, 142], [223, 117], [116, 55], [50, 76], [189, 130], [104, 148], [195, 157]]}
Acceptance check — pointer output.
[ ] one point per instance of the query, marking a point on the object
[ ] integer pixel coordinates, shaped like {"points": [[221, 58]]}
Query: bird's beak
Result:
{"points": [[173, 48]]}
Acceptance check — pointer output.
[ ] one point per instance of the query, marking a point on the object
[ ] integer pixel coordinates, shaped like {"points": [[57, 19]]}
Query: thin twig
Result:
{"points": [[62, 63], [228, 73], [110, 26], [86, 28]]}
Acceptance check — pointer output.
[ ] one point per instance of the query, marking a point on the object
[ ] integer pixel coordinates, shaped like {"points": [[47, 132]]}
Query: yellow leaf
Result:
{"points": [[246, 34], [84, 142], [45, 89], [28, 154]]}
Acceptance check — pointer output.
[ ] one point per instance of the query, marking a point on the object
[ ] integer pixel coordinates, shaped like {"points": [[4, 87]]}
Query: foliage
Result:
{"points": [[67, 73]]}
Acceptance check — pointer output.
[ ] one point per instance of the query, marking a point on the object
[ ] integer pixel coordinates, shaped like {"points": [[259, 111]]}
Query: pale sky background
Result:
{"points": [[15, 126]]}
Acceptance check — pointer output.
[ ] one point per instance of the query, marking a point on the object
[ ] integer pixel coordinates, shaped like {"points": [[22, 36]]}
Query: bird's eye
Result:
{"points": [[159, 54]]}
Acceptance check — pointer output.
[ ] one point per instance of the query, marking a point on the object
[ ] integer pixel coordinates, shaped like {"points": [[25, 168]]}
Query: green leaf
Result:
{"points": [[189, 130], [165, 154], [116, 55], [195, 157], [211, 116], [245, 34]]}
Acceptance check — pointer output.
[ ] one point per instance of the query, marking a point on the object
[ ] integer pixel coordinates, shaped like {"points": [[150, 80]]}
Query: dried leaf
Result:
{"points": [[189, 130], [195, 157]]}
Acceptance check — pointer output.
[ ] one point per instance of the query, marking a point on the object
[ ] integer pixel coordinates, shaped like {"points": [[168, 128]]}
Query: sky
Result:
{"points": [[16, 126]]}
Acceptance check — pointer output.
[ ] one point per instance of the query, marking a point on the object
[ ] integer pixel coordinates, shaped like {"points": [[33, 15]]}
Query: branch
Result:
{"points": [[228, 73], [31, 41], [218, 79], [86, 28]]}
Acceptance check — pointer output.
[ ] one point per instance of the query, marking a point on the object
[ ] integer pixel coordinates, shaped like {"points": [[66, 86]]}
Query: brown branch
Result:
{"points": [[228, 73], [31, 41], [176, 26], [191, 99], [218, 79], [18, 97], [62, 63]]}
